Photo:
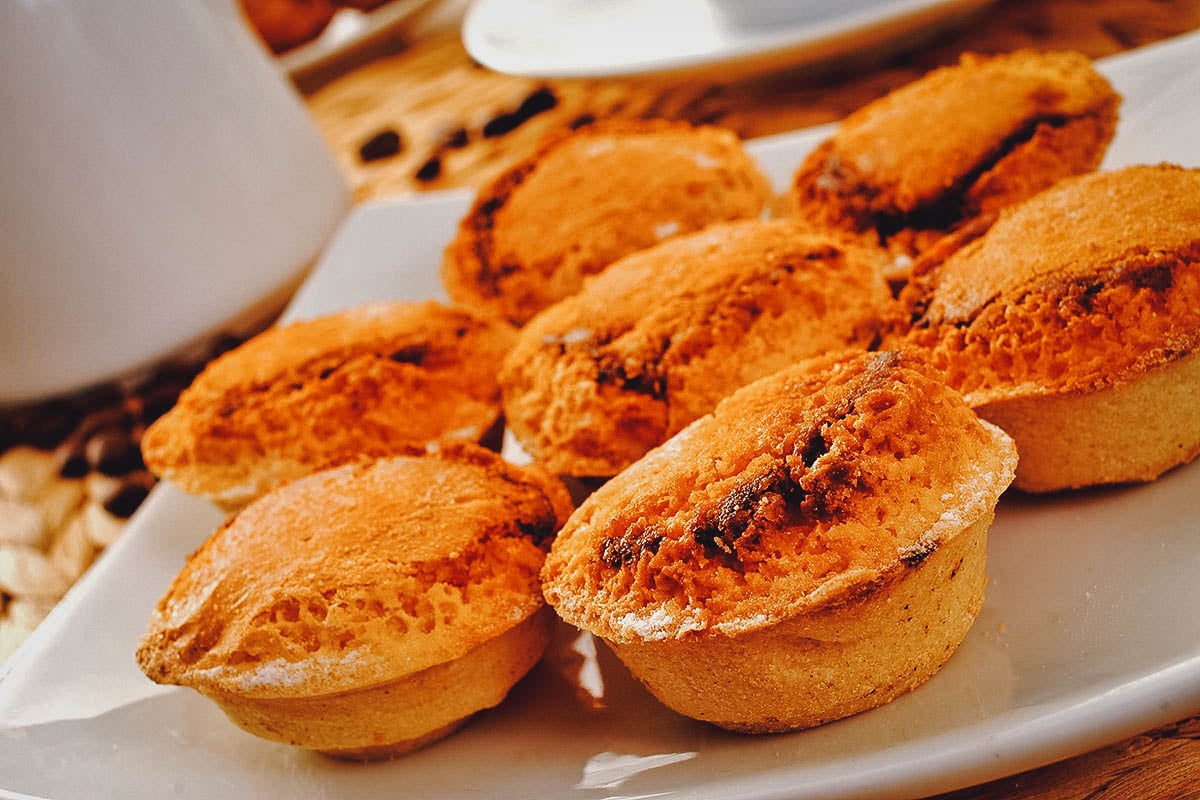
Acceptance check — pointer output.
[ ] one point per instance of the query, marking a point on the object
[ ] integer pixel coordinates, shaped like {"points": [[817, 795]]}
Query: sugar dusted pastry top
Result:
{"points": [[660, 336], [356, 576], [588, 197], [374, 380], [1087, 284], [825, 479], [964, 140]]}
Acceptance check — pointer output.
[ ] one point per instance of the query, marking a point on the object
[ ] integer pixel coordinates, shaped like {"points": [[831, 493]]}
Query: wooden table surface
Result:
{"points": [[457, 124]]}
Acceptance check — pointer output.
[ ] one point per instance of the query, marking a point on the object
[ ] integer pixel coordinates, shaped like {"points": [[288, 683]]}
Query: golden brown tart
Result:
{"points": [[960, 143], [1073, 323], [659, 337], [813, 548], [369, 381], [588, 197], [369, 609]]}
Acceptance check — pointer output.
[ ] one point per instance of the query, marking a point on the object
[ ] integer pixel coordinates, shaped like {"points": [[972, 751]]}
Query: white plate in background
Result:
{"points": [[593, 38], [1088, 632]]}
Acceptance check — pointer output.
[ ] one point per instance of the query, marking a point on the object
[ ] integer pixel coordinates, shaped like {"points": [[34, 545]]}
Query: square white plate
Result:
{"points": [[1088, 633]]}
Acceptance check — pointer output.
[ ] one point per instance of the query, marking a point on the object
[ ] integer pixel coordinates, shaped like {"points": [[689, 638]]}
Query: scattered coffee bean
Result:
{"points": [[75, 463], [124, 501], [456, 139], [430, 170], [500, 125], [582, 121], [46, 426], [112, 452], [106, 419], [541, 99], [384, 144]]}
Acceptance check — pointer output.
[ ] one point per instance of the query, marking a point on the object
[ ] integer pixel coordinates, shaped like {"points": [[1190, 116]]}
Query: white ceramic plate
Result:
{"points": [[348, 31], [1088, 632], [586, 38]]}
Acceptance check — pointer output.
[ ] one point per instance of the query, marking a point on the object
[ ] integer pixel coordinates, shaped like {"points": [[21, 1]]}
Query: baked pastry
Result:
{"points": [[962, 142], [374, 380], [369, 609], [284, 24], [1073, 323], [659, 337], [588, 197], [813, 548]]}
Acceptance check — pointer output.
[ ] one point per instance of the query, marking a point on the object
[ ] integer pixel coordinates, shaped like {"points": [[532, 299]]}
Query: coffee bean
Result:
{"points": [[500, 125], [582, 121], [107, 419], [8, 433], [541, 99], [46, 426], [75, 464], [430, 170], [112, 452], [456, 139], [384, 144], [125, 500]]}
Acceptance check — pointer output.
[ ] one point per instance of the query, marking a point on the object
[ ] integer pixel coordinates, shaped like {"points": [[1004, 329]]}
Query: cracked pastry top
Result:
{"points": [[659, 337], [374, 380], [585, 199], [357, 576], [805, 490], [958, 144], [1089, 284]]}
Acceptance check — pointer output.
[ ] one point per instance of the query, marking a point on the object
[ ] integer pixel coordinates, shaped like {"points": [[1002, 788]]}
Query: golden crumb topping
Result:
{"points": [[815, 482]]}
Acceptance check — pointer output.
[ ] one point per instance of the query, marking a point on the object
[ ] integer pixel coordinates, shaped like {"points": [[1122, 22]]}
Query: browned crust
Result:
{"points": [[1030, 309], [375, 380], [1056, 322], [811, 487], [602, 377], [468, 266], [356, 576], [960, 142], [581, 216]]}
